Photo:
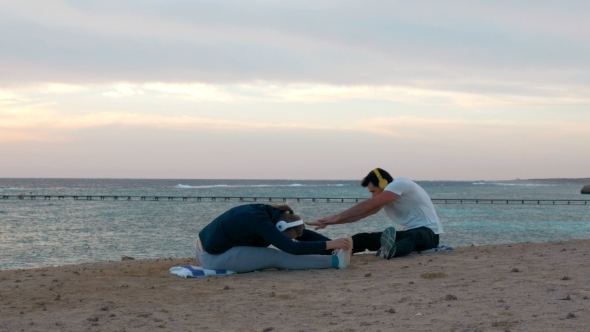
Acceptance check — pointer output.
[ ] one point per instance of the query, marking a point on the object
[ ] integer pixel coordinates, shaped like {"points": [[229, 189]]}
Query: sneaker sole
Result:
{"points": [[387, 249], [351, 247], [343, 258]]}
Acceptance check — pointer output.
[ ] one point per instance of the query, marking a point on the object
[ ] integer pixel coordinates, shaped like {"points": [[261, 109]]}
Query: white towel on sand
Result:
{"points": [[188, 271]]}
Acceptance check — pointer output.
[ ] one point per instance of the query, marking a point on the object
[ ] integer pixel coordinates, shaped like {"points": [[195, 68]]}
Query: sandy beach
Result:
{"points": [[517, 287]]}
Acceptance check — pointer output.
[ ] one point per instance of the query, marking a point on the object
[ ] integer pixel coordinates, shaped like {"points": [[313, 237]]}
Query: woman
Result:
{"points": [[238, 240]]}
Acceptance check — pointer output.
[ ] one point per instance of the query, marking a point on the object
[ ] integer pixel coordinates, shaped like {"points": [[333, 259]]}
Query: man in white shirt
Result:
{"points": [[406, 204]]}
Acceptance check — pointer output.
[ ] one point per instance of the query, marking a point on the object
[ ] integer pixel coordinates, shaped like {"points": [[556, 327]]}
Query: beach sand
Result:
{"points": [[517, 287]]}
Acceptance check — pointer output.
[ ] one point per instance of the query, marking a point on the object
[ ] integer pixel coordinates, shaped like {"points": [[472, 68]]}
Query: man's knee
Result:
{"points": [[426, 240]]}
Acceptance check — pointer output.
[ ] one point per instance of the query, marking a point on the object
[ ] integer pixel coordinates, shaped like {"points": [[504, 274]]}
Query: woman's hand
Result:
{"points": [[341, 243]]}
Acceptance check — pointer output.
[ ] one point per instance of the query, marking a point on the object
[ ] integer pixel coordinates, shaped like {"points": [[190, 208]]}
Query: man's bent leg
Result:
{"points": [[427, 239], [388, 243], [417, 239]]}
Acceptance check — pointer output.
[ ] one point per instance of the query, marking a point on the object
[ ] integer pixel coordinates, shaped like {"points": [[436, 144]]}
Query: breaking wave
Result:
{"points": [[185, 186], [512, 184]]}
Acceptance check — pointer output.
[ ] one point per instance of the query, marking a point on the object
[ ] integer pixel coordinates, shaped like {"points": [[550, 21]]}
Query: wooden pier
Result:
{"points": [[288, 199]]}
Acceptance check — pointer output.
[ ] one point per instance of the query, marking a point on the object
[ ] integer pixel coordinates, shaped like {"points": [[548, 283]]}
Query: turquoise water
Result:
{"points": [[36, 233]]}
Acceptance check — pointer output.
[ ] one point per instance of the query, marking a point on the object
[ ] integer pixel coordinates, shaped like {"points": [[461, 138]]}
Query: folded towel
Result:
{"points": [[187, 271], [440, 248]]}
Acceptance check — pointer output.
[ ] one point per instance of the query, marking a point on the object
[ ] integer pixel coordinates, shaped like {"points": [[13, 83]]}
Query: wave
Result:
{"points": [[184, 186], [513, 184]]}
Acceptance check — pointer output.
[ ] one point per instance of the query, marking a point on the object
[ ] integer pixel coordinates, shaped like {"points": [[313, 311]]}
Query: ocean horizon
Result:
{"points": [[50, 232]]}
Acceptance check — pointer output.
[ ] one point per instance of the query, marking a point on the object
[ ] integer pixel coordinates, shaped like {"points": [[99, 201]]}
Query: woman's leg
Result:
{"points": [[247, 259]]}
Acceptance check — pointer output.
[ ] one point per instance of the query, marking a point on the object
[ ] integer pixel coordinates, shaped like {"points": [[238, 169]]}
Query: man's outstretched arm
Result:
{"points": [[358, 211]]}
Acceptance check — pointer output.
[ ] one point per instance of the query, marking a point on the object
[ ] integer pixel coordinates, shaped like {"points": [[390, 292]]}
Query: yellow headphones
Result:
{"points": [[382, 182]]}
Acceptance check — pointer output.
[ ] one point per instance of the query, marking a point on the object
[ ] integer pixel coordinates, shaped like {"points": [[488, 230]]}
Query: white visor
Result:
{"points": [[283, 225]]}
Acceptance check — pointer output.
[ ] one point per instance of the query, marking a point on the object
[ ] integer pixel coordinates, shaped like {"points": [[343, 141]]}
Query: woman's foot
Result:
{"points": [[343, 258]]}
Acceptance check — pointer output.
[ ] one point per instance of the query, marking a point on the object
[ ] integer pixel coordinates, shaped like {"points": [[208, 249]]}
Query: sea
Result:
{"points": [[53, 232]]}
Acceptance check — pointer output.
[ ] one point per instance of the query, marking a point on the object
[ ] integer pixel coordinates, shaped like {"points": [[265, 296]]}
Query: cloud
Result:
{"points": [[123, 90], [56, 106], [193, 91], [467, 95], [308, 93], [14, 136], [345, 44], [451, 74], [24, 121], [60, 88], [460, 131], [9, 98], [43, 122]]}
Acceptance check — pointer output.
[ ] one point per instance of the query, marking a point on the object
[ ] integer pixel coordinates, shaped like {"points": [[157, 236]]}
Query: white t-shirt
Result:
{"points": [[413, 208]]}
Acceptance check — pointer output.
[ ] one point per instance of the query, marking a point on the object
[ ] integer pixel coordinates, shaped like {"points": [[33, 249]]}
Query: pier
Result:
{"points": [[287, 199]]}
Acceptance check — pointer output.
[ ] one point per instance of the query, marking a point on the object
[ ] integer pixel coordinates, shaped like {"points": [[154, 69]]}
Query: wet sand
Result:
{"points": [[518, 287]]}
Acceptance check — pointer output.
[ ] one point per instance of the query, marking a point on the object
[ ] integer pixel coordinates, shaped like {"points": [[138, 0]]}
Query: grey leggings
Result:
{"points": [[248, 259]]}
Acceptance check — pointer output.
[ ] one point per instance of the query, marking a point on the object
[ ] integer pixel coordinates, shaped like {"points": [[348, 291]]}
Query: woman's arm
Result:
{"points": [[272, 235], [309, 235]]}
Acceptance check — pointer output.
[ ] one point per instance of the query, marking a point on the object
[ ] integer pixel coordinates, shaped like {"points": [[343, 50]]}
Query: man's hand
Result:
{"points": [[323, 222]]}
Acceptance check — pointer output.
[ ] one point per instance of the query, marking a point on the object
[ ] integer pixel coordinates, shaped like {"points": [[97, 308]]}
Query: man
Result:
{"points": [[406, 204]]}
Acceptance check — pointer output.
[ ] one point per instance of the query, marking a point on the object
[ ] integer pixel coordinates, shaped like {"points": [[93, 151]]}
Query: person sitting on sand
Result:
{"points": [[238, 240], [406, 204]]}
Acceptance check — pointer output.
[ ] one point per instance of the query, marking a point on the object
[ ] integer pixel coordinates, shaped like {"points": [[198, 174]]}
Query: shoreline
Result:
{"points": [[520, 286]]}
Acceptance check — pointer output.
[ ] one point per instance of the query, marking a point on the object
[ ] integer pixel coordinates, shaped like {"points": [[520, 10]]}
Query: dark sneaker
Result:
{"points": [[387, 249]]}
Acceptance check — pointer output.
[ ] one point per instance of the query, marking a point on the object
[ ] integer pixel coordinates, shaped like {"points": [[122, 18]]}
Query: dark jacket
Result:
{"points": [[254, 225]]}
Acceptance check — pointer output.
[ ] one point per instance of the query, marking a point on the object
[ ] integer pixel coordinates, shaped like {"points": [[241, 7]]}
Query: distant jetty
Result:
{"points": [[585, 189]]}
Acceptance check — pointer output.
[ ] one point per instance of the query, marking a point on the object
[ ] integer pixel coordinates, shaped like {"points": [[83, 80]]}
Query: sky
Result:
{"points": [[431, 90]]}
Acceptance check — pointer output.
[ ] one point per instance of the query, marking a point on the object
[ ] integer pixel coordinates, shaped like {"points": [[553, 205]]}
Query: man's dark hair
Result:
{"points": [[372, 178]]}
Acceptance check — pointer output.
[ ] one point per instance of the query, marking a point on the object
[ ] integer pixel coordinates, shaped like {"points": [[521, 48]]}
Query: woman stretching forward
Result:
{"points": [[238, 240]]}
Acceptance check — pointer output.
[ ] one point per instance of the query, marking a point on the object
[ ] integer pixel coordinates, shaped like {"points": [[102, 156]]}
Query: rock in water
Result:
{"points": [[586, 189]]}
